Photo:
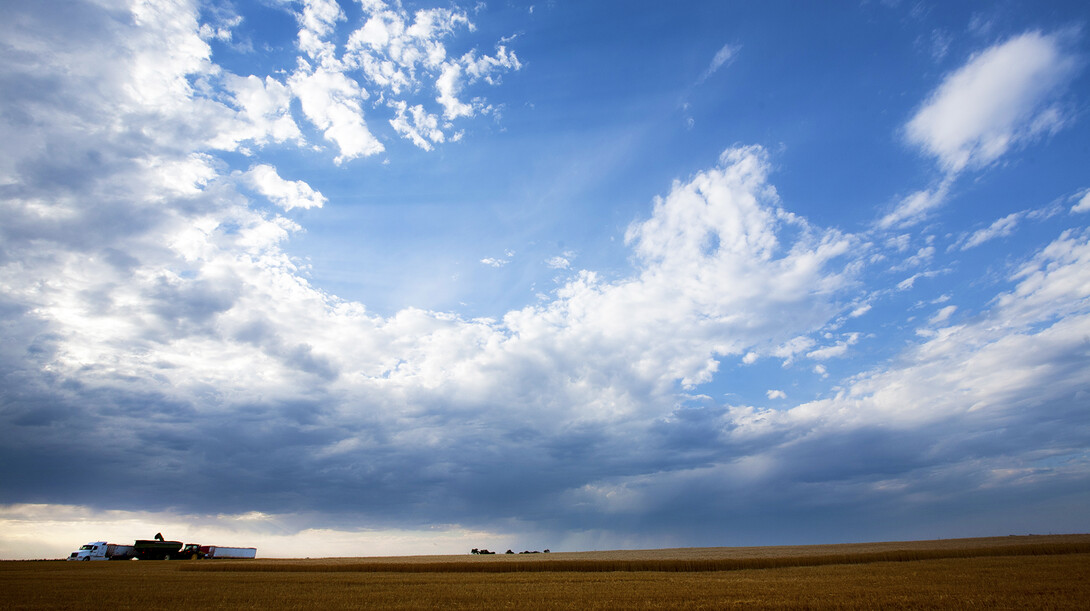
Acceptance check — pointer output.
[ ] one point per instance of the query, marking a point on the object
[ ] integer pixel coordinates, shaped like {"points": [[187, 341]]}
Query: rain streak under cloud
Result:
{"points": [[380, 277]]}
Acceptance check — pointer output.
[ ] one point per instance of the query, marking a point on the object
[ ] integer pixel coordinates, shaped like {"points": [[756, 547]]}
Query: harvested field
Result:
{"points": [[682, 559], [1007, 572]]}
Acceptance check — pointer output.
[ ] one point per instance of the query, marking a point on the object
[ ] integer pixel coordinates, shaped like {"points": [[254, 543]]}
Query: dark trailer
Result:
{"points": [[155, 549]]}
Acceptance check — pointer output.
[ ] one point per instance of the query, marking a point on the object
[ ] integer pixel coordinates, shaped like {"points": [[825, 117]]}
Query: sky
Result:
{"points": [[369, 277]]}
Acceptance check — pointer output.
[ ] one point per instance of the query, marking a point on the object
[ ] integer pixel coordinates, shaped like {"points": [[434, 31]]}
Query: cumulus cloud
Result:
{"points": [[997, 388], [401, 53], [265, 107], [417, 125], [1002, 97], [333, 102], [287, 194], [192, 323]]}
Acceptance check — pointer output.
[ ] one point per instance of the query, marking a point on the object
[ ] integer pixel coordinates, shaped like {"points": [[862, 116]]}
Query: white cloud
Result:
{"points": [[713, 259], [909, 282], [1056, 282], [319, 17], [401, 54], [449, 85], [417, 125], [287, 194], [776, 394], [943, 315], [997, 368], [265, 109], [331, 101], [859, 311], [915, 208], [723, 57], [220, 31], [789, 350], [1000, 228], [455, 75], [900, 242], [1083, 205], [1001, 97], [828, 352], [923, 256], [560, 261], [394, 51], [1013, 380], [489, 67], [837, 350]]}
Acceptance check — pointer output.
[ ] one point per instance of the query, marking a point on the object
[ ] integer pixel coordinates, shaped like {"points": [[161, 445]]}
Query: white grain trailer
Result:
{"points": [[218, 551]]}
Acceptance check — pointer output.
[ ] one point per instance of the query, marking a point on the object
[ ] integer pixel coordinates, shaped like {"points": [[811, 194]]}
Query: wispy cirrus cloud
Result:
{"points": [[723, 57], [1001, 227]]}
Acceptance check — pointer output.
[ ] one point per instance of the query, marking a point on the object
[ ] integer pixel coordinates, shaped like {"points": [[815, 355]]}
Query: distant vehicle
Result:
{"points": [[158, 549]]}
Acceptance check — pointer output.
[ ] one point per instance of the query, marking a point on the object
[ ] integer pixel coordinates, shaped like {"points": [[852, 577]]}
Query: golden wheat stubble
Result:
{"points": [[1052, 578]]}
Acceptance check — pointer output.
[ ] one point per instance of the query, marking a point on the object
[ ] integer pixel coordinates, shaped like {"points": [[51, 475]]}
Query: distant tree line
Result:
{"points": [[484, 552]]}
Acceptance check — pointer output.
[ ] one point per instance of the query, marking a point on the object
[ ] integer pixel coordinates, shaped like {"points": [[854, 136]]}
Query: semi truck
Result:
{"points": [[158, 549], [100, 550]]}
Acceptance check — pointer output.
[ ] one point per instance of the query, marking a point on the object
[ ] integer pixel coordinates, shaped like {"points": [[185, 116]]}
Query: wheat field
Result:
{"points": [[994, 573]]}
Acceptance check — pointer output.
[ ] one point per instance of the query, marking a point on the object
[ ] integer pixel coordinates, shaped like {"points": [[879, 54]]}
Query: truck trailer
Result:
{"points": [[217, 551]]}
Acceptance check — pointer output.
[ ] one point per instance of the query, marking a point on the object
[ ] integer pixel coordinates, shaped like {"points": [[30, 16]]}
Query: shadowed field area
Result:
{"points": [[1007, 572]]}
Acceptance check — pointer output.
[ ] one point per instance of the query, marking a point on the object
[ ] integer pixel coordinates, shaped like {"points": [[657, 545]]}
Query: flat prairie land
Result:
{"points": [[1031, 572]]}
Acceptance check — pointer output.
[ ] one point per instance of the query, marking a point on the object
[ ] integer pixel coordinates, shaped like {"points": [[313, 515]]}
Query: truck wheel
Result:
{"points": [[86, 558]]}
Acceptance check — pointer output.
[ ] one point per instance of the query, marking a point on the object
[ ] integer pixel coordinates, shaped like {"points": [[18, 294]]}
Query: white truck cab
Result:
{"points": [[100, 550], [92, 551]]}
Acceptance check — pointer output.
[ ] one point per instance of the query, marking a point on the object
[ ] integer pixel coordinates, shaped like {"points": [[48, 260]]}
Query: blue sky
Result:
{"points": [[367, 277]]}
